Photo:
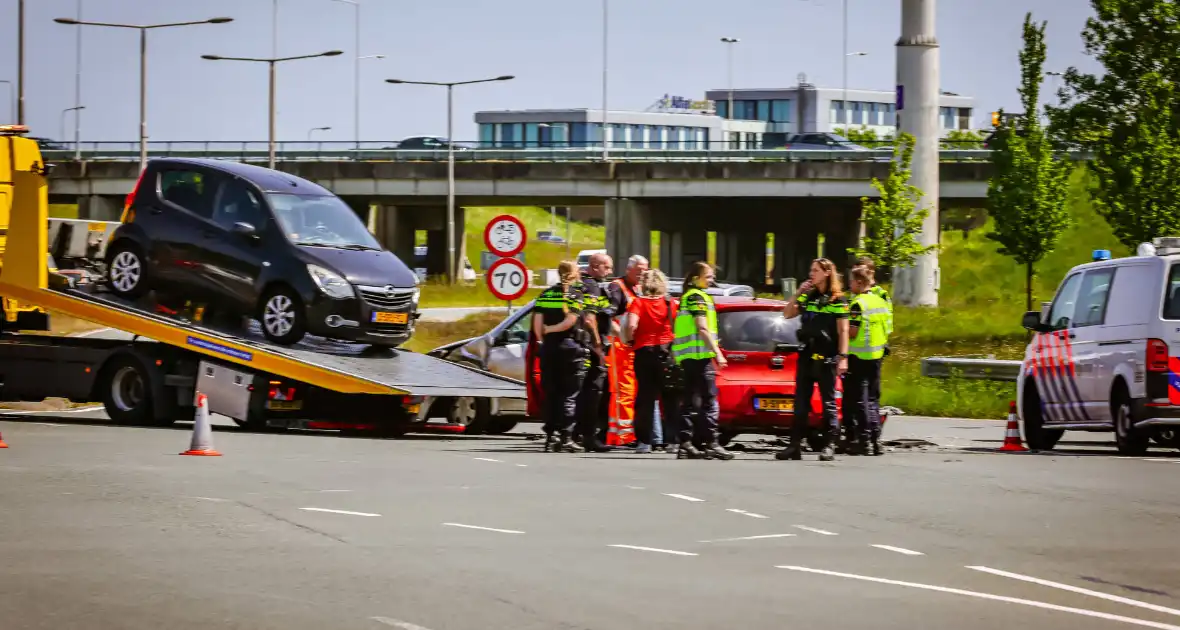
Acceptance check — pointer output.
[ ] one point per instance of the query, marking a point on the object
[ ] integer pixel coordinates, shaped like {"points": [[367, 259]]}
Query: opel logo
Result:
{"points": [[390, 290]]}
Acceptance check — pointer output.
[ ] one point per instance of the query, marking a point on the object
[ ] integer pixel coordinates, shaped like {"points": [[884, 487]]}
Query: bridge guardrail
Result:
{"points": [[972, 368]]}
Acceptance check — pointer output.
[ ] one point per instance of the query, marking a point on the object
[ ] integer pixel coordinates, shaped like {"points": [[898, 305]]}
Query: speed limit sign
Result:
{"points": [[508, 279], [505, 236]]}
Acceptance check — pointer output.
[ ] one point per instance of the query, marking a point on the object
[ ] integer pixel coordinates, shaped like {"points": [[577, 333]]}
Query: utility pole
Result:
{"points": [[20, 62]]}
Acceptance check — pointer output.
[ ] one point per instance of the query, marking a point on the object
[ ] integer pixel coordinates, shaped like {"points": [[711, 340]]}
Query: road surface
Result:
{"points": [[107, 527]]}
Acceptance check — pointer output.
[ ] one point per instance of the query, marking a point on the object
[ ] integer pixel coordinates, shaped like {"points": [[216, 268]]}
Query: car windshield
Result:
{"points": [[320, 220], [584, 259], [839, 138], [755, 331]]}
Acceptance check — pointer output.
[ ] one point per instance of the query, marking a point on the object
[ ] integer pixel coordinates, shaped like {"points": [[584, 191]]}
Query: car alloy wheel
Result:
{"points": [[126, 271], [462, 411], [278, 316]]}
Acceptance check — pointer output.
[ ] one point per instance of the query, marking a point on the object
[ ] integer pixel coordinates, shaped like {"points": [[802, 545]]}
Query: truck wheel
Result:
{"points": [[127, 393], [1038, 437], [501, 425], [474, 414], [1128, 439], [127, 271], [282, 315]]}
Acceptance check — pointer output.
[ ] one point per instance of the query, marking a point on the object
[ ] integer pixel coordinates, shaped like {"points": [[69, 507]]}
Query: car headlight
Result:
{"points": [[331, 283]]}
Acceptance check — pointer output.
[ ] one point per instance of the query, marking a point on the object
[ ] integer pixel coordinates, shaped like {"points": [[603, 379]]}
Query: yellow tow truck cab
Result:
{"points": [[14, 150]]}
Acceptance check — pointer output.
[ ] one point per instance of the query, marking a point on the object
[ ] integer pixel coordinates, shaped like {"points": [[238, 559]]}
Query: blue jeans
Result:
{"points": [[657, 428]]}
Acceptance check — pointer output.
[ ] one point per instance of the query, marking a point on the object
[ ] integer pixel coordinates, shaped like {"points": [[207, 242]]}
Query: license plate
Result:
{"points": [[381, 317], [774, 404], [413, 409], [284, 405]]}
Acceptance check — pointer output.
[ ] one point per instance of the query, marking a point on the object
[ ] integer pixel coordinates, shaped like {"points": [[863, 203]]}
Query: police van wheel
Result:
{"points": [[1038, 437], [1128, 439]]}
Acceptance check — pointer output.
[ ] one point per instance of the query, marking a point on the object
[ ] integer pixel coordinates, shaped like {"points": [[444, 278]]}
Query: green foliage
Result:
{"points": [[893, 221], [862, 135], [1026, 193], [538, 254], [1127, 115], [963, 140]]}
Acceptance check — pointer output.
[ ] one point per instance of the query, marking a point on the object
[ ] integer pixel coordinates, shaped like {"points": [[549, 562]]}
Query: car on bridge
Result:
{"points": [[256, 242]]}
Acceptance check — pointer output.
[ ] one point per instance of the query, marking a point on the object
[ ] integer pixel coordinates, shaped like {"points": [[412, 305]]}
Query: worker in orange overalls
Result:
{"points": [[621, 372]]}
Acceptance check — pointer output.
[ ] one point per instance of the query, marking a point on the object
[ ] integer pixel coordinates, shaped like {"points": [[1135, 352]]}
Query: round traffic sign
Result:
{"points": [[505, 235], [508, 279]]}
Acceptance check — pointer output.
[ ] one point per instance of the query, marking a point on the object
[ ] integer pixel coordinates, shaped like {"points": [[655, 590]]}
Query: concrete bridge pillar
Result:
{"points": [[100, 207], [436, 243], [679, 250], [395, 228], [628, 230], [741, 257], [794, 250]]}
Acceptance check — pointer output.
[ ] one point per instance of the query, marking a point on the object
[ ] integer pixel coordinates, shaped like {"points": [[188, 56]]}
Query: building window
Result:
{"points": [[579, 135], [532, 135], [554, 134], [837, 112], [638, 141], [890, 114], [858, 114], [764, 111], [510, 134], [948, 117], [487, 135], [723, 108], [780, 111], [964, 118]]}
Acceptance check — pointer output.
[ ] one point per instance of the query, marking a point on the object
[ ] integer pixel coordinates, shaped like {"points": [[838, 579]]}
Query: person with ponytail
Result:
{"points": [[557, 321]]}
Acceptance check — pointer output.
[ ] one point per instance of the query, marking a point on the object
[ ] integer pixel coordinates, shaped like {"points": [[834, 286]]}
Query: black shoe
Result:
{"points": [[716, 451], [688, 451], [828, 454], [792, 453], [877, 449], [596, 447], [551, 443], [567, 445]]}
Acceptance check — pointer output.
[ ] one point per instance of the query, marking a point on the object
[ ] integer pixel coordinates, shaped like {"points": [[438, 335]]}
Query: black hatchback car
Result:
{"points": [[261, 243]]}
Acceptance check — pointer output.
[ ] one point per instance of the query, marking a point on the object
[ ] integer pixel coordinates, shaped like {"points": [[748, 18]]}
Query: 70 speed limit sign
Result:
{"points": [[508, 279]]}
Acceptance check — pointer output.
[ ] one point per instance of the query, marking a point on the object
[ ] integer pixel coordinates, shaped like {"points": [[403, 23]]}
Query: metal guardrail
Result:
{"points": [[970, 368]]}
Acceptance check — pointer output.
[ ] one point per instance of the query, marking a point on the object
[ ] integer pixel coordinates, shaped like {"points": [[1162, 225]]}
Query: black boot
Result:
{"points": [[688, 451], [551, 443], [794, 452], [828, 454], [714, 450], [875, 441], [592, 445], [568, 445]]}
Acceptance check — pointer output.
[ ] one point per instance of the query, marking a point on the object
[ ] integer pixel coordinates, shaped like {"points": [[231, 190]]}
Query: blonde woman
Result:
{"points": [[649, 326], [557, 321]]}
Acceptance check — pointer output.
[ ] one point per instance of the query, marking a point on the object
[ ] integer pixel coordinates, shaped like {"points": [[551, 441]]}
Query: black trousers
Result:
{"points": [[563, 366], [591, 420], [699, 410], [809, 374], [862, 397], [652, 390]]}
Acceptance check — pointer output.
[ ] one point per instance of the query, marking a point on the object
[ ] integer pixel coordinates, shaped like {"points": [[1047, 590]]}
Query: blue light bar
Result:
{"points": [[1101, 254]]}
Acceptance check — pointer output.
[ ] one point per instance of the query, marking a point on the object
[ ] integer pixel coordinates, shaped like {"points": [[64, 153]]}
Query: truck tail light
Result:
{"points": [[1157, 355], [128, 214]]}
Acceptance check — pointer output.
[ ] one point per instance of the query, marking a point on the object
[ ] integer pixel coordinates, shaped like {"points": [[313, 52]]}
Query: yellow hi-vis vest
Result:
{"points": [[880, 292], [872, 332], [688, 342]]}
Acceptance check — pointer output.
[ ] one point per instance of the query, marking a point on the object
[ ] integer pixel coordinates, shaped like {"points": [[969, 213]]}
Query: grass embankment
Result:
{"points": [[430, 335]]}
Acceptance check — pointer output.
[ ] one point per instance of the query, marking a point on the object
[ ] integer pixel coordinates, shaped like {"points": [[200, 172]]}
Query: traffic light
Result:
{"points": [[995, 119]]}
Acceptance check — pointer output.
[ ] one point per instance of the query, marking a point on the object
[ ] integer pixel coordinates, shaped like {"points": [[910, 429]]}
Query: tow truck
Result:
{"points": [[153, 377]]}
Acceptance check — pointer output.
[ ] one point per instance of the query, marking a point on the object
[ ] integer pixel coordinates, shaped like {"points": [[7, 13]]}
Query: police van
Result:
{"points": [[1105, 354]]}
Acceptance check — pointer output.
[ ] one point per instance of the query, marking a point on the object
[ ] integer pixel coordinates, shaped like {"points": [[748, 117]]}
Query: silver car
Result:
{"points": [[501, 351]]}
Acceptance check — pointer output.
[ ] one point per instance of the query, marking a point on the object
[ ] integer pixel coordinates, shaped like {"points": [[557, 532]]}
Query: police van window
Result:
{"points": [[1062, 312], [1091, 308], [190, 190], [238, 204], [1172, 297]]}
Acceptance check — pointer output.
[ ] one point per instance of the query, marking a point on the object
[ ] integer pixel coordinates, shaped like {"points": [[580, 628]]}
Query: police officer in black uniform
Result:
{"points": [[558, 321], [604, 300]]}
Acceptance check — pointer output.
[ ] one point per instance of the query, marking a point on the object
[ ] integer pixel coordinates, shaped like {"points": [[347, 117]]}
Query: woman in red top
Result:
{"points": [[649, 326]]}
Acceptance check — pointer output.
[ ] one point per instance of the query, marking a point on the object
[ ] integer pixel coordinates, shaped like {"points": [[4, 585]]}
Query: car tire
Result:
{"points": [[128, 275], [282, 316], [473, 414], [1128, 439], [501, 425], [127, 393], [1035, 434]]}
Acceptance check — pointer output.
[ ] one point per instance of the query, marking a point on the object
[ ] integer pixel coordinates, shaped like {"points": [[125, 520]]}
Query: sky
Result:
{"points": [[553, 47]]}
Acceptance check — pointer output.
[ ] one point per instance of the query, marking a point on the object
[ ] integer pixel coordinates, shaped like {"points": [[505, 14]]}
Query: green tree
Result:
{"points": [[1126, 116], [963, 140], [864, 135], [1026, 195], [893, 221]]}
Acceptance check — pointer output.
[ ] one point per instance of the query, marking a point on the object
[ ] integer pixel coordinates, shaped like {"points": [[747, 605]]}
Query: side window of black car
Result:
{"points": [[191, 190], [238, 204]]}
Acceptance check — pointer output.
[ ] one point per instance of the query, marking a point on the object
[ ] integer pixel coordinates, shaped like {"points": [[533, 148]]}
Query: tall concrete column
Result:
{"points": [[436, 246], [100, 207], [741, 257], [918, 87], [628, 230], [679, 250], [395, 229]]}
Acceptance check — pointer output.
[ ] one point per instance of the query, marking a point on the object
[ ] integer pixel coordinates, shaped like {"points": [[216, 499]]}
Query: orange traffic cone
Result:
{"points": [[202, 443], [2, 444], [1012, 434]]}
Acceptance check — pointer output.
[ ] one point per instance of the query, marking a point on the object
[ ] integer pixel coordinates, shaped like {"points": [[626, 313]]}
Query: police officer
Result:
{"points": [[862, 386], [603, 301], [695, 349], [878, 290], [823, 308], [557, 320]]}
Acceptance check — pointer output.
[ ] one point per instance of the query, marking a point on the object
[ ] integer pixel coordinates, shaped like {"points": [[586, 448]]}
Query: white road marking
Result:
{"points": [[48, 424], [749, 538], [671, 551], [489, 459], [745, 513], [339, 512], [1076, 589], [404, 625], [683, 497], [523, 465], [635, 488], [211, 499], [1158, 459], [817, 531], [334, 490], [48, 412], [998, 598], [486, 529], [908, 552], [91, 332]]}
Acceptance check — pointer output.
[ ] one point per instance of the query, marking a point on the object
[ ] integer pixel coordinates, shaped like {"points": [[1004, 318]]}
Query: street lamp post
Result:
{"points": [[20, 62], [77, 88], [605, 74], [271, 63], [356, 72], [75, 109], [847, 118], [143, 29], [315, 129], [451, 157], [730, 41]]}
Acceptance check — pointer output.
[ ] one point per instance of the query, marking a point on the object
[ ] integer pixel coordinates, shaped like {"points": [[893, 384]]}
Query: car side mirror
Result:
{"points": [[245, 229], [1032, 321]]}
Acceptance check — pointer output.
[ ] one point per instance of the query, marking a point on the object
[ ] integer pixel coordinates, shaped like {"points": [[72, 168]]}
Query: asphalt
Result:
{"points": [[107, 527]]}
